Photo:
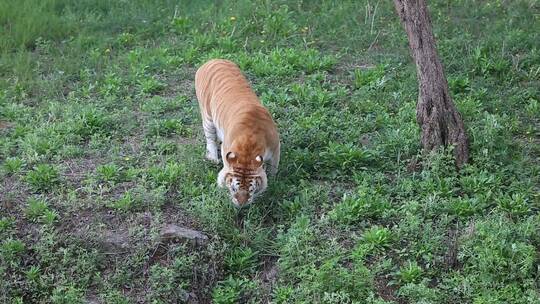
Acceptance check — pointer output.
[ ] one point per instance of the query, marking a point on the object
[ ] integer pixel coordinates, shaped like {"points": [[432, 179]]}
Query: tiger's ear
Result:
{"points": [[259, 160], [231, 157]]}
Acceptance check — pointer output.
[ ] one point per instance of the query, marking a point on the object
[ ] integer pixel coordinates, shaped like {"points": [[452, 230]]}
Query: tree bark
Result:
{"points": [[436, 113]]}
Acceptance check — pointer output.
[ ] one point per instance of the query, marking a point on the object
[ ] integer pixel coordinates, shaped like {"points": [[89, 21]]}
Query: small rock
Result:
{"points": [[192, 298], [171, 232], [114, 241], [271, 274], [365, 140], [92, 299]]}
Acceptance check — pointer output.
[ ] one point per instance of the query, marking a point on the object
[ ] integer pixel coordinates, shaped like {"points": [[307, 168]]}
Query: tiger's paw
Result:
{"points": [[212, 157]]}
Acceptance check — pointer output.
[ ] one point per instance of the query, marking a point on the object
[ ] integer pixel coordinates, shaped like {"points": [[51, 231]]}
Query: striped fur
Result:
{"points": [[233, 115]]}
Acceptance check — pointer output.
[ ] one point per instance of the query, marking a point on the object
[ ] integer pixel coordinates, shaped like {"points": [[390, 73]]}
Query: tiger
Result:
{"points": [[233, 116]]}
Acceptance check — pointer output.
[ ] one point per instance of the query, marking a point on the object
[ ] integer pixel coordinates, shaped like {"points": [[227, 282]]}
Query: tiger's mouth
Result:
{"points": [[244, 186], [238, 205], [241, 200], [251, 198]]}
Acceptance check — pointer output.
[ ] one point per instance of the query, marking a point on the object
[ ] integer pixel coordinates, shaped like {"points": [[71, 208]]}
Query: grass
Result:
{"points": [[101, 146]]}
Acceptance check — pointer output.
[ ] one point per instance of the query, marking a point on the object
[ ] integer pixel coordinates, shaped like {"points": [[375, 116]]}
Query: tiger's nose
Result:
{"points": [[241, 197]]}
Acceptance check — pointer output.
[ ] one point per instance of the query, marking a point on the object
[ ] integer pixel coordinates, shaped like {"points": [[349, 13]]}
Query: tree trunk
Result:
{"points": [[436, 113]]}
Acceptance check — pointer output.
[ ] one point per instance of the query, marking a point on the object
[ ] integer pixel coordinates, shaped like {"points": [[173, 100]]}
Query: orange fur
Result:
{"points": [[233, 115]]}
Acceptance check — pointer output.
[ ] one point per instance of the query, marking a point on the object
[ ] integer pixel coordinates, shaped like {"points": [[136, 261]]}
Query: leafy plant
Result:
{"points": [[241, 260], [372, 77], [231, 290], [13, 164], [43, 177], [109, 172], [88, 122], [356, 214], [6, 223], [126, 202], [366, 204], [67, 294], [111, 84], [459, 84], [11, 248], [377, 237], [180, 25], [150, 85], [345, 157], [516, 205], [170, 283], [49, 217], [464, 207], [410, 273], [168, 127], [487, 63], [33, 273], [36, 208]]}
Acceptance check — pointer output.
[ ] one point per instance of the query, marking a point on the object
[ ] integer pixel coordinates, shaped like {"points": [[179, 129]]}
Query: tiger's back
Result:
{"points": [[233, 115]]}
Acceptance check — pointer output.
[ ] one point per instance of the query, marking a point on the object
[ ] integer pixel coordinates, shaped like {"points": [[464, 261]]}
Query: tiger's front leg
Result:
{"points": [[221, 177], [211, 141], [223, 172]]}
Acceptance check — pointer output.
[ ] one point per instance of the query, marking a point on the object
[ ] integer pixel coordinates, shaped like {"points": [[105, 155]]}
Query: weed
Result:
{"points": [[169, 283], [180, 25], [464, 207], [36, 208], [110, 85], [516, 204], [13, 165], [125, 203], [126, 39], [67, 294], [167, 176], [49, 217], [151, 85], [242, 260], [116, 297], [487, 64], [373, 78], [168, 127], [377, 237], [459, 84], [344, 157], [419, 292], [101, 145], [11, 249], [89, 122], [6, 224], [410, 273], [43, 177], [33, 273], [109, 172], [231, 290], [362, 206], [283, 294]]}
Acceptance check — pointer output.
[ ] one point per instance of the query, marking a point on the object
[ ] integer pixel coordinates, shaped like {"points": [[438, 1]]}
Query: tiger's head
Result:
{"points": [[244, 180]]}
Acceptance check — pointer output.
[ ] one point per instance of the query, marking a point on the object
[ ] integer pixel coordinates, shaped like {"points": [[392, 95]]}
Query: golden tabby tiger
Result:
{"points": [[233, 115]]}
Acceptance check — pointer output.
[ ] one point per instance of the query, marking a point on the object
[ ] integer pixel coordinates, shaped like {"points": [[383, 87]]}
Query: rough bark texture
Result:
{"points": [[436, 113]]}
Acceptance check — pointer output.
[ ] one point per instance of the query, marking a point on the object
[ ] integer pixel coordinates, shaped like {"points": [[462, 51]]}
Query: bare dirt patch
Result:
{"points": [[13, 192], [387, 291]]}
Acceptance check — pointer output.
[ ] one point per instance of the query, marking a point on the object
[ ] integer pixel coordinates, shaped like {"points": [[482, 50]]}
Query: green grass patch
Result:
{"points": [[101, 145]]}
